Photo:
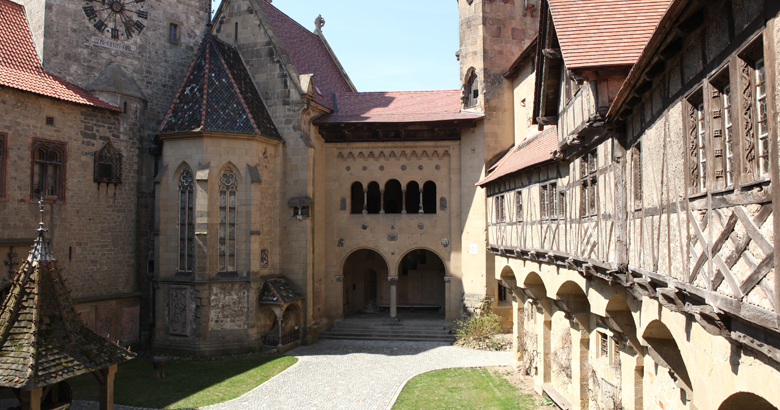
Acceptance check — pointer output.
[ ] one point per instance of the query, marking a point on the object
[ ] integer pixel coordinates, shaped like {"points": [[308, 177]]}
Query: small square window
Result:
{"points": [[50, 121]]}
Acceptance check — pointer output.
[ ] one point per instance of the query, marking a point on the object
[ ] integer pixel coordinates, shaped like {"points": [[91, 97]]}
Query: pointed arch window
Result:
{"points": [[228, 187], [471, 89], [186, 221], [108, 165]]}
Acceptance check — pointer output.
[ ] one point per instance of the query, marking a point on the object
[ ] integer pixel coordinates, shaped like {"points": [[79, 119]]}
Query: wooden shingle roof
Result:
{"points": [[42, 339]]}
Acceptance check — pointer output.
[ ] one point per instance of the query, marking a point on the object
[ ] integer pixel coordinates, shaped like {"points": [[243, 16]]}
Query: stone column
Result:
{"points": [[279, 320], [447, 298], [382, 201], [403, 201], [420, 211], [340, 305], [365, 202], [579, 364], [393, 298]]}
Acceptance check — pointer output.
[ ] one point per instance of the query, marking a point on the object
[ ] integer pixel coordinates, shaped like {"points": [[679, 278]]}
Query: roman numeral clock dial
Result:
{"points": [[118, 19]]}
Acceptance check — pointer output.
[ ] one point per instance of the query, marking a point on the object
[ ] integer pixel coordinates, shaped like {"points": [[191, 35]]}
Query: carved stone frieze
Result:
{"points": [[178, 301], [391, 155]]}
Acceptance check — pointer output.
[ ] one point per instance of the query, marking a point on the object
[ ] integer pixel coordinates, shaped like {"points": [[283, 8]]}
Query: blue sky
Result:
{"points": [[387, 45]]}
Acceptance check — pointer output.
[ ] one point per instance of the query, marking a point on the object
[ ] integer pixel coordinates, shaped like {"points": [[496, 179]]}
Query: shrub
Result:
{"points": [[479, 331]]}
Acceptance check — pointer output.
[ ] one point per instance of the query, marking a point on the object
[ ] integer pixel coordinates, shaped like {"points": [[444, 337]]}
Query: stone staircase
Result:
{"points": [[417, 331]]}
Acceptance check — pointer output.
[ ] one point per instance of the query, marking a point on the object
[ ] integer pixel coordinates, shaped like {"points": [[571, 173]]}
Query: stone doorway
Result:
{"points": [[365, 282], [421, 286]]}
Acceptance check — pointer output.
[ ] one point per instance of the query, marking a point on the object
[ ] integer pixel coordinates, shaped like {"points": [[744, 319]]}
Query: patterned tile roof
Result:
{"points": [[42, 339], [21, 69], [218, 94], [596, 33], [278, 292], [534, 149], [309, 55], [398, 106]]}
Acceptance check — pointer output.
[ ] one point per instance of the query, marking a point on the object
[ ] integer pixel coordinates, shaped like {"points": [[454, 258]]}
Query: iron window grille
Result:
{"points": [[108, 165]]}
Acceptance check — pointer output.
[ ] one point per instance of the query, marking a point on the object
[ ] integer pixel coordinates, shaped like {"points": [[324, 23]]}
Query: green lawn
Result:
{"points": [[188, 384], [462, 389]]}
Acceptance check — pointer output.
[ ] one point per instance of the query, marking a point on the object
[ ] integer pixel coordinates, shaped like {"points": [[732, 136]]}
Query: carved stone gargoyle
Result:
{"points": [[671, 299], [712, 320]]}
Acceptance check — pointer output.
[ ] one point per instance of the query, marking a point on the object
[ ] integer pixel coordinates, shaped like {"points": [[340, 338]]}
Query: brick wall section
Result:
{"points": [[96, 226]]}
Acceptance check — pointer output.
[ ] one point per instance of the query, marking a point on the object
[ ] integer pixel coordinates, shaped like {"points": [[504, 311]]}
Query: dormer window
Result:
{"points": [[471, 89]]}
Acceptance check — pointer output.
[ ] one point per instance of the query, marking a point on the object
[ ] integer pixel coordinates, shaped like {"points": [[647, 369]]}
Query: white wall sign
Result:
{"points": [[473, 249], [114, 45]]}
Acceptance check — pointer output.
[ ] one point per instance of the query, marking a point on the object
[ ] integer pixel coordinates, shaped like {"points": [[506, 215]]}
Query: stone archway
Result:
{"points": [[365, 284], [744, 400], [665, 352], [421, 282]]}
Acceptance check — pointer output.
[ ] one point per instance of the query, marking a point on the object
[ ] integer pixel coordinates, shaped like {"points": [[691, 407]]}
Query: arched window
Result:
{"points": [[186, 222], [228, 186], [373, 199], [357, 198], [429, 197], [48, 179], [394, 196], [471, 89], [413, 198]]}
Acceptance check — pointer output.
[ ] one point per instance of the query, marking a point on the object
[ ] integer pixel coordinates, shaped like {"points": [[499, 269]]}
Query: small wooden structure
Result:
{"points": [[285, 302], [43, 342]]}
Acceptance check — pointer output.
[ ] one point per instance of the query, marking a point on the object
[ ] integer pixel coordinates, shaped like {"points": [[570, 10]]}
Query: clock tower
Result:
{"points": [[133, 54]]}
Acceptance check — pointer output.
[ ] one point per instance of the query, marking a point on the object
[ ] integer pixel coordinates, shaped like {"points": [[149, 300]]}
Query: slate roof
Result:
{"points": [[309, 55], [535, 149], [397, 106], [42, 339], [596, 33], [219, 95], [278, 292], [21, 69]]}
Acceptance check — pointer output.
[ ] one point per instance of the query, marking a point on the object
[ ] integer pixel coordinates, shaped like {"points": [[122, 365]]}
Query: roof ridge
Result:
{"points": [[291, 19]]}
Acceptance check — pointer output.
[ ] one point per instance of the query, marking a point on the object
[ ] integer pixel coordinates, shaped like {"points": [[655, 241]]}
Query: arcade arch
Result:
{"points": [[663, 349], [365, 284], [421, 281], [744, 400]]}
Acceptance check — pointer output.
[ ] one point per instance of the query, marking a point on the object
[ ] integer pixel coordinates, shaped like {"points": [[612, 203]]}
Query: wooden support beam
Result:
{"points": [[31, 399]]}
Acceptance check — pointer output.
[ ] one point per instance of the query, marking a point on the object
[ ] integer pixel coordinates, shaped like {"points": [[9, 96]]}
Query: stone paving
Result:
{"points": [[349, 374]]}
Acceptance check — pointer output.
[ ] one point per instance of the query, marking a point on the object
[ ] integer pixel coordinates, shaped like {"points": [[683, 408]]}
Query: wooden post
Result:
{"points": [[393, 297], [31, 399], [105, 377]]}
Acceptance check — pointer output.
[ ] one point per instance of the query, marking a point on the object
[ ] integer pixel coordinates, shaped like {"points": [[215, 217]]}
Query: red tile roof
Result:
{"points": [[398, 106], [308, 54], [596, 33], [21, 69], [534, 149]]}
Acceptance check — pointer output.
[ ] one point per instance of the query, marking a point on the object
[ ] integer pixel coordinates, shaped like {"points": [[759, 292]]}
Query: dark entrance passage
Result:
{"points": [[365, 282], [421, 282]]}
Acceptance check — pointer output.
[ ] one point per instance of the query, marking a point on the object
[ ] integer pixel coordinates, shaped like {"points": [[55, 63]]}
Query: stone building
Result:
{"points": [[640, 245]]}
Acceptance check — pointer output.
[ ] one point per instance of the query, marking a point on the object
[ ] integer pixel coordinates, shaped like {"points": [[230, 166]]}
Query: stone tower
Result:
{"points": [[137, 65], [493, 33]]}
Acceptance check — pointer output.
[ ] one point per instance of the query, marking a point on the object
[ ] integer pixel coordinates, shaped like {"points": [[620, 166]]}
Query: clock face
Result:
{"points": [[118, 19]]}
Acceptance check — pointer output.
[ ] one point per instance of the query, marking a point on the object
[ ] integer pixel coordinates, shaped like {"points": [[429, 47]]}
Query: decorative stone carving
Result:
{"points": [[420, 225], [342, 204], [392, 237], [365, 168], [349, 168], [340, 243], [319, 22], [393, 280], [420, 167], [403, 167], [381, 167], [749, 149], [445, 242], [105, 320], [443, 204], [364, 226], [130, 318], [264, 258], [339, 278], [392, 252], [447, 279], [178, 300], [438, 167], [228, 304]]}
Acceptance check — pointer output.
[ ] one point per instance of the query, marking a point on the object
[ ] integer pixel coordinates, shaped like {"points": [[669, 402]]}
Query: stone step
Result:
{"points": [[395, 331], [326, 335], [374, 325]]}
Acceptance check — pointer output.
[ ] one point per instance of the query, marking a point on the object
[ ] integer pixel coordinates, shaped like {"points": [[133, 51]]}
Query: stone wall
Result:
{"points": [[92, 231]]}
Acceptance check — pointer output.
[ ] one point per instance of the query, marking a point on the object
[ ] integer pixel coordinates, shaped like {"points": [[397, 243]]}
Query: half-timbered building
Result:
{"points": [[640, 247]]}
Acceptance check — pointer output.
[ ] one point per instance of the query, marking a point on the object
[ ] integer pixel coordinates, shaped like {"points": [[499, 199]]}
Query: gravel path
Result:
{"points": [[349, 374]]}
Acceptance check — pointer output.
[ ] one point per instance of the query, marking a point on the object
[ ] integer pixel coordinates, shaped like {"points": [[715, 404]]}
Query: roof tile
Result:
{"points": [[596, 33], [308, 54], [21, 69], [535, 149], [398, 106]]}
